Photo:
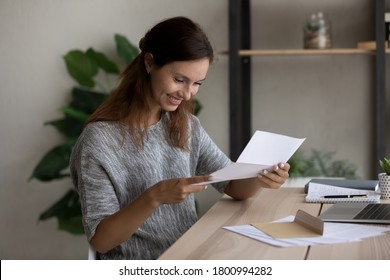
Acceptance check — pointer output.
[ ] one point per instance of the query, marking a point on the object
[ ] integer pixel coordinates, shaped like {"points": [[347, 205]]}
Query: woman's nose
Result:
{"points": [[188, 92]]}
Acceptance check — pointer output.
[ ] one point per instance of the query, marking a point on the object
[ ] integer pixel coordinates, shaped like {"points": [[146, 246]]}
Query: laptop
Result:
{"points": [[370, 213]]}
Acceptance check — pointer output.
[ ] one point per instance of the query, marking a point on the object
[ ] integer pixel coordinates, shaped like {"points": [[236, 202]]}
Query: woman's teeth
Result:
{"points": [[174, 99]]}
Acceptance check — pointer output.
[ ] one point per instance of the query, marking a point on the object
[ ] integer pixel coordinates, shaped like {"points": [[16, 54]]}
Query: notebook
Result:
{"points": [[319, 193], [367, 185], [370, 213]]}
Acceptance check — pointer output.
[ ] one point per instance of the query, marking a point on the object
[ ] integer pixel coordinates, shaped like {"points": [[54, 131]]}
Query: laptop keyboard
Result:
{"points": [[374, 212]]}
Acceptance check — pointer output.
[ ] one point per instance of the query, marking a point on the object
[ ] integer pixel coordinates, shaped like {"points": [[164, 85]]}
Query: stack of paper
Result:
{"points": [[333, 233]]}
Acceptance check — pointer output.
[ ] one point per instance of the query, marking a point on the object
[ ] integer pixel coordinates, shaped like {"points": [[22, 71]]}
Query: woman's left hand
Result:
{"points": [[276, 178]]}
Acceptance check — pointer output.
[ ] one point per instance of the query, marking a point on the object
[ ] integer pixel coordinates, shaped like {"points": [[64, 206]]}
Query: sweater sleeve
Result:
{"points": [[211, 158], [87, 166]]}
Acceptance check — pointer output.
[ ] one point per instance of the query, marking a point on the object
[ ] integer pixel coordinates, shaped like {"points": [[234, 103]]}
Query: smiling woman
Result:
{"points": [[137, 161], [176, 82], [141, 150], [172, 41]]}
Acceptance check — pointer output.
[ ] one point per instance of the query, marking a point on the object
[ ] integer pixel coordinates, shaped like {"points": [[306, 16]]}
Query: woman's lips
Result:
{"points": [[174, 100]]}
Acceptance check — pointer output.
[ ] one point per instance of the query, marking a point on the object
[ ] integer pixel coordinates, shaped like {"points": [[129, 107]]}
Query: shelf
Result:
{"points": [[304, 52]]}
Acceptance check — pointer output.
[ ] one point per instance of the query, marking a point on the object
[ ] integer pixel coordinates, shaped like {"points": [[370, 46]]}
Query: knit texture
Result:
{"points": [[109, 172]]}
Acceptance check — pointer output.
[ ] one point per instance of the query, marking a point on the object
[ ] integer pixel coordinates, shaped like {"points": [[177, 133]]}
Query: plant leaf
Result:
{"points": [[53, 162], [70, 127], [125, 49], [81, 67], [102, 61], [86, 100], [67, 201], [68, 213], [197, 106], [385, 164], [320, 164], [74, 113], [73, 225]]}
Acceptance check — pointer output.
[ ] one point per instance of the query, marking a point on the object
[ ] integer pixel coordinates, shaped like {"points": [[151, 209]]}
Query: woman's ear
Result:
{"points": [[148, 60]]}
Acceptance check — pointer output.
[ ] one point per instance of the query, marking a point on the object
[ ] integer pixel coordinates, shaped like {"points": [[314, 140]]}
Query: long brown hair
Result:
{"points": [[174, 39]]}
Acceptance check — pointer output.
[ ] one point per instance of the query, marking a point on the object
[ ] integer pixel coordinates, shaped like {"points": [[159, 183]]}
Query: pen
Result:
{"points": [[344, 196]]}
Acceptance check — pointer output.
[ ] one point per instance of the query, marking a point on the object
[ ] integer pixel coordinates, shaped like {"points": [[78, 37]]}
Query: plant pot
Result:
{"points": [[384, 185]]}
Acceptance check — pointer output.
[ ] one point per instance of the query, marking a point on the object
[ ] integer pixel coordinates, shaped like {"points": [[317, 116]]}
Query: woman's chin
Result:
{"points": [[170, 108]]}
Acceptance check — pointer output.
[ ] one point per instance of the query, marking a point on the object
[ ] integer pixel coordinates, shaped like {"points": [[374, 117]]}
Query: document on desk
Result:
{"points": [[264, 150], [333, 233]]}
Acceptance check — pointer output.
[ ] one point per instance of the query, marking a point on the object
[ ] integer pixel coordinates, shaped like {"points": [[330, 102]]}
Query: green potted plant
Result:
{"points": [[385, 164], [320, 164], [83, 67], [384, 178]]}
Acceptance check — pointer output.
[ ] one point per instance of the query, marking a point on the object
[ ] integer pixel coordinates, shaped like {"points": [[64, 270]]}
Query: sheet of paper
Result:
{"points": [[263, 151], [266, 148], [333, 233]]}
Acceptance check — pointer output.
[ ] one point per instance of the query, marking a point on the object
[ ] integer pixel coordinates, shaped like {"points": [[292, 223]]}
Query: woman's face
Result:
{"points": [[176, 82]]}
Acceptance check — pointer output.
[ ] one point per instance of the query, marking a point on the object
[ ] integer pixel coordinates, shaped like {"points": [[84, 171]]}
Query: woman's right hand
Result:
{"points": [[118, 227], [176, 190]]}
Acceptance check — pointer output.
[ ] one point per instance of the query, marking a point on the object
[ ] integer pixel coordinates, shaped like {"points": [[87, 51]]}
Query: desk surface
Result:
{"points": [[208, 240]]}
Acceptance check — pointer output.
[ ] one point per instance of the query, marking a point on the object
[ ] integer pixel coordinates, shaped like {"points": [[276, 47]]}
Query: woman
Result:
{"points": [[142, 149]]}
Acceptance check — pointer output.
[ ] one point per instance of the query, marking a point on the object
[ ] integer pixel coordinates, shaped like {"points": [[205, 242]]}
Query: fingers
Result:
{"points": [[282, 170], [190, 188], [197, 179], [177, 190], [276, 177]]}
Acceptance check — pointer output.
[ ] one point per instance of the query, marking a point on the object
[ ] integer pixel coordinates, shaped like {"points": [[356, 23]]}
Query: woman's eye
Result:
{"points": [[178, 80]]}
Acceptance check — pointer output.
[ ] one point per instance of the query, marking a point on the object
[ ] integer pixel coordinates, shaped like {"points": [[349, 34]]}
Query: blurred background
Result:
{"points": [[327, 99]]}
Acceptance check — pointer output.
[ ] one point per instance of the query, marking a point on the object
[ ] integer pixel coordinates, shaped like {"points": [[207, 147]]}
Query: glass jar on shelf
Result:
{"points": [[317, 32]]}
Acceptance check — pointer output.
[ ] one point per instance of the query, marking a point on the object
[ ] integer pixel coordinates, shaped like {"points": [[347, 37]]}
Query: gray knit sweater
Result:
{"points": [[109, 172]]}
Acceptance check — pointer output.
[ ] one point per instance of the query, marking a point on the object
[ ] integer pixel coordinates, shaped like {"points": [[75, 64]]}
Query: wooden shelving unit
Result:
{"points": [[240, 54]]}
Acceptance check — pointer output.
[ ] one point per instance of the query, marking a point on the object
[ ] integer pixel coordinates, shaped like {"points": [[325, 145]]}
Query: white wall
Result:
{"points": [[34, 83]]}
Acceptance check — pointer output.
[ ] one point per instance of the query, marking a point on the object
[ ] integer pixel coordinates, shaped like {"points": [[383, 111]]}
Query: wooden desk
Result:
{"points": [[208, 240]]}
